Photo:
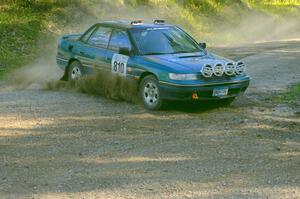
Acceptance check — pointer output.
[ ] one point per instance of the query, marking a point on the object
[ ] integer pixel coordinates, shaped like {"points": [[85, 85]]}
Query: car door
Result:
{"points": [[118, 62], [93, 51]]}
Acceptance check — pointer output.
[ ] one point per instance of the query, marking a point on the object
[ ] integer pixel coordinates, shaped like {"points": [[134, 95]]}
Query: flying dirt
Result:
{"points": [[101, 84], [64, 144]]}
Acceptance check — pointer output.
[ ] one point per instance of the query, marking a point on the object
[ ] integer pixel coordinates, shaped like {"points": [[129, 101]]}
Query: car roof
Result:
{"points": [[124, 24]]}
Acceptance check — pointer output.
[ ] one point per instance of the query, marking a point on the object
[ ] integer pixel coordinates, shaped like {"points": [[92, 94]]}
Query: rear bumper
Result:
{"points": [[204, 91]]}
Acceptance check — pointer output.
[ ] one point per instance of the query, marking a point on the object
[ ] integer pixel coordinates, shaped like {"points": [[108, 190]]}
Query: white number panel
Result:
{"points": [[119, 64]]}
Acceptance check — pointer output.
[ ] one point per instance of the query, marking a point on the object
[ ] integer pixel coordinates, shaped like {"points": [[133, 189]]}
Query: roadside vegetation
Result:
{"points": [[294, 93], [27, 26], [292, 96], [22, 23]]}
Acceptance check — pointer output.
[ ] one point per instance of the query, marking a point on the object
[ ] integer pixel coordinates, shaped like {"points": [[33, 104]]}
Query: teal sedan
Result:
{"points": [[167, 63]]}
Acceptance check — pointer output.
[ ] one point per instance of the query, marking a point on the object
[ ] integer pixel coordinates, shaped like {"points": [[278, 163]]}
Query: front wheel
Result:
{"points": [[150, 93]]}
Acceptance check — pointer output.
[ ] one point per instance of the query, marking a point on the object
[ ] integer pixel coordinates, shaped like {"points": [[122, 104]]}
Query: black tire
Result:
{"points": [[150, 93], [75, 71]]}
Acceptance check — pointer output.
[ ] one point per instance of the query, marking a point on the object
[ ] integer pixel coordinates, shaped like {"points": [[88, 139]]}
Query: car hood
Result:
{"points": [[187, 62]]}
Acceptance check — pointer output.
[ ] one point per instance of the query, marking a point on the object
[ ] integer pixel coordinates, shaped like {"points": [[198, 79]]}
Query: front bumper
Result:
{"points": [[204, 91]]}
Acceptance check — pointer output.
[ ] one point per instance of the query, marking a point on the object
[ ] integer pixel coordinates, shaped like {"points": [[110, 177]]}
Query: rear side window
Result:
{"points": [[87, 35], [100, 37], [119, 39]]}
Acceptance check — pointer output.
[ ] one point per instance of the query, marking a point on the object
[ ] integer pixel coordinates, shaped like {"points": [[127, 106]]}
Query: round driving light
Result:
{"points": [[207, 70], [240, 68], [219, 70], [229, 69]]}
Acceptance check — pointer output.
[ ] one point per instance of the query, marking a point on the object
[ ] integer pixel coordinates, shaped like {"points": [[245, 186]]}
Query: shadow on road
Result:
{"points": [[194, 106]]}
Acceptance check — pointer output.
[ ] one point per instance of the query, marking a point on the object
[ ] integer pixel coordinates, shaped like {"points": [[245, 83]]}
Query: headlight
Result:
{"points": [[229, 69], [175, 76], [240, 68], [219, 70], [207, 70]]}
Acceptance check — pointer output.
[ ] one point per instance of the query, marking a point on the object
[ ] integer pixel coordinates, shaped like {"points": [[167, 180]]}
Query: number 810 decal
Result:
{"points": [[119, 64]]}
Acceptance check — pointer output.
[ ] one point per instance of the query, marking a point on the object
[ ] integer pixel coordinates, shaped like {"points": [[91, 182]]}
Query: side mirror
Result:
{"points": [[202, 45], [125, 51]]}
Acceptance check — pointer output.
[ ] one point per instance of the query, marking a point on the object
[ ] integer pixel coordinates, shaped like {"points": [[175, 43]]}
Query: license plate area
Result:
{"points": [[220, 92]]}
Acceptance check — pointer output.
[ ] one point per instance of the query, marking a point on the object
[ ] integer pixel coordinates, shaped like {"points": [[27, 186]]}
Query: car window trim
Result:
{"points": [[95, 27], [120, 29], [135, 50], [96, 46], [111, 37]]}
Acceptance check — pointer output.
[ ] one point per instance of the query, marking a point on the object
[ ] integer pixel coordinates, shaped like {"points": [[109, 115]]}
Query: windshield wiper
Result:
{"points": [[183, 51], [156, 53], [177, 52]]}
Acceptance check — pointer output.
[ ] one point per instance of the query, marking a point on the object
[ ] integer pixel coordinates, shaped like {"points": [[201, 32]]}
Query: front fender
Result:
{"points": [[138, 66]]}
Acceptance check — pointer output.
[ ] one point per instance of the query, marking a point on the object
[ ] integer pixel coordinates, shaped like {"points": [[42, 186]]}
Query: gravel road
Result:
{"points": [[62, 144]]}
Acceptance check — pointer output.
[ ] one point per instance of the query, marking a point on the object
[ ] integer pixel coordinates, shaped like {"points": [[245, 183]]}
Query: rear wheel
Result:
{"points": [[150, 93], [75, 71]]}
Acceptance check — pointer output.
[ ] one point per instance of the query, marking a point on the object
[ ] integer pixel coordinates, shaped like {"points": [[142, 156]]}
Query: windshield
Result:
{"points": [[163, 40]]}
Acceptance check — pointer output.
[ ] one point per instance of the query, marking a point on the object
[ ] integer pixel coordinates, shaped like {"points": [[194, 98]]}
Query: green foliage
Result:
{"points": [[294, 93], [291, 96], [23, 22], [278, 8]]}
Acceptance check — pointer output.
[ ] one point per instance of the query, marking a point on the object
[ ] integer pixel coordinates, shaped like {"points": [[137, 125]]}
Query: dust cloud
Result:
{"points": [[43, 69], [234, 25], [258, 28], [252, 27], [35, 75]]}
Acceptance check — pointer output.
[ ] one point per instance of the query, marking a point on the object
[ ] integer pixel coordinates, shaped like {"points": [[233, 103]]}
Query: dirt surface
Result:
{"points": [[60, 144]]}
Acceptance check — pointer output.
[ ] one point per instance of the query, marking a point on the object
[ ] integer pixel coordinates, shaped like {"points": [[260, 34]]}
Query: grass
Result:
{"points": [[23, 23], [291, 96], [19, 31]]}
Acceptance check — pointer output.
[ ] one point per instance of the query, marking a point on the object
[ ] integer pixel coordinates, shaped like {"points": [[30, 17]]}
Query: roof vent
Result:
{"points": [[159, 21], [136, 22]]}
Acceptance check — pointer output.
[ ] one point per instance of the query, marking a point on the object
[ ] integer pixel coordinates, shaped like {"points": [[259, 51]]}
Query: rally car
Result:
{"points": [[166, 62]]}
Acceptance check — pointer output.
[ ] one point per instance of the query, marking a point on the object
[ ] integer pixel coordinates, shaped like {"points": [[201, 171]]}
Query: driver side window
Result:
{"points": [[119, 39]]}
